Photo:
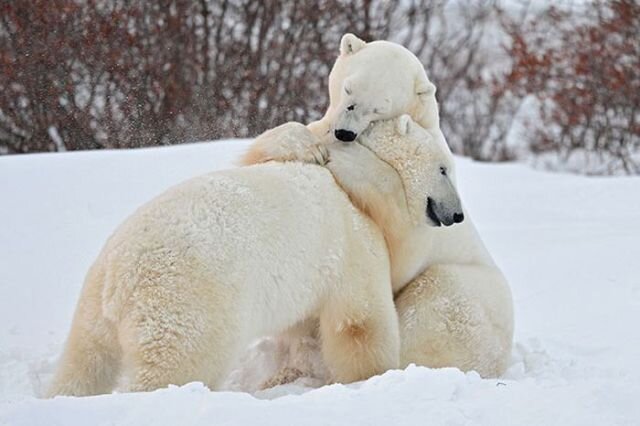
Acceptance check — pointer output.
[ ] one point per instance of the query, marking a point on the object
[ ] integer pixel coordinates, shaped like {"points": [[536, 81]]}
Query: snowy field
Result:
{"points": [[569, 245]]}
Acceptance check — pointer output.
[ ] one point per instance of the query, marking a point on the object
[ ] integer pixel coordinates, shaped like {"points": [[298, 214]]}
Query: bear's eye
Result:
{"points": [[347, 90], [443, 171], [351, 107]]}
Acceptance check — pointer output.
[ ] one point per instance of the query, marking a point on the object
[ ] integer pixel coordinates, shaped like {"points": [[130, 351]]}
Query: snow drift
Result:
{"points": [[568, 245]]}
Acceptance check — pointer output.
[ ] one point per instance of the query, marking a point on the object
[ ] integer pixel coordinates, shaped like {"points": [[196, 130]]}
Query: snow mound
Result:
{"points": [[567, 244]]}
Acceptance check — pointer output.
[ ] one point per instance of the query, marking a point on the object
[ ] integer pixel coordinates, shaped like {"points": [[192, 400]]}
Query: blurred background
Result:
{"points": [[552, 83]]}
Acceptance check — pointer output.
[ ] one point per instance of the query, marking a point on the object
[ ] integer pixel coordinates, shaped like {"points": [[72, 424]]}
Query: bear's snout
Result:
{"points": [[345, 135], [441, 215]]}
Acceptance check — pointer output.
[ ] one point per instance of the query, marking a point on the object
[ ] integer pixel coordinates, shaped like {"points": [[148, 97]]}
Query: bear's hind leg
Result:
{"points": [[90, 363], [177, 339], [457, 316]]}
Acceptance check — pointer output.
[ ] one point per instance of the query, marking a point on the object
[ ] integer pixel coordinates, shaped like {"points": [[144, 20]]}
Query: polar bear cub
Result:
{"points": [[375, 81], [369, 82], [186, 282]]}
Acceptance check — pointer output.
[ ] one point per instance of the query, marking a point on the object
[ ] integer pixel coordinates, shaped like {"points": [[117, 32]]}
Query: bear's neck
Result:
{"points": [[386, 205]]}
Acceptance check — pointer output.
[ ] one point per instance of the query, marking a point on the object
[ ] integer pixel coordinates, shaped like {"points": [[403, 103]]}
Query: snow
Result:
{"points": [[569, 246]]}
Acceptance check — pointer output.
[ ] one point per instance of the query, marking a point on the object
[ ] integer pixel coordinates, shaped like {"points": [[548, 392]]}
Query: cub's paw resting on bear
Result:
{"points": [[288, 142], [369, 82]]}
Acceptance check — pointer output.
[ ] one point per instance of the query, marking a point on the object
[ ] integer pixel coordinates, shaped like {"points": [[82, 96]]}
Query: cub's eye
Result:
{"points": [[347, 91], [376, 111], [443, 171], [351, 107]]}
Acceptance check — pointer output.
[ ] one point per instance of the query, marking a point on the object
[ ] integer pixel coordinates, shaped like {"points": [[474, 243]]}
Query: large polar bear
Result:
{"points": [[190, 278], [454, 304]]}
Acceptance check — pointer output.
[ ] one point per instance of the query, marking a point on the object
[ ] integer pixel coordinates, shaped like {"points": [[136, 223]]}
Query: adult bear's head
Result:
{"points": [[377, 81], [425, 166]]}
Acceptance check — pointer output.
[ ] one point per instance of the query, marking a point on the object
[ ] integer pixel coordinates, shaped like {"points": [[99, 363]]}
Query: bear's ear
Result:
{"points": [[403, 123], [424, 88], [350, 44]]}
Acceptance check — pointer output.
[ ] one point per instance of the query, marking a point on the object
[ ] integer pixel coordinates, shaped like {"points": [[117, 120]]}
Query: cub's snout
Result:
{"points": [[345, 135]]}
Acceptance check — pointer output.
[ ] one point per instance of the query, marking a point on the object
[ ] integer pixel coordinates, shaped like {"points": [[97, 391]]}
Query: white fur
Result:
{"points": [[453, 303], [193, 276], [381, 80]]}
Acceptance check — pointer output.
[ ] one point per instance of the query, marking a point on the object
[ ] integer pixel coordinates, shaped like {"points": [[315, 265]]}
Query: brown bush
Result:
{"points": [[111, 74], [460, 45], [584, 72], [120, 73]]}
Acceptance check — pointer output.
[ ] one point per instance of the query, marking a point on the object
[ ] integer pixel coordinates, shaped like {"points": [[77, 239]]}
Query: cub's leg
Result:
{"points": [[359, 332], [288, 142], [457, 316]]}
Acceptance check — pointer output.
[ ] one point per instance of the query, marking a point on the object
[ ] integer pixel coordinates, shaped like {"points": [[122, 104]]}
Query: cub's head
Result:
{"points": [[424, 165], [377, 81]]}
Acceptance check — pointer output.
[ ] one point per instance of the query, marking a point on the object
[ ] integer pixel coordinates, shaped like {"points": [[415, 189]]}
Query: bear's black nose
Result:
{"points": [[345, 135], [458, 217]]}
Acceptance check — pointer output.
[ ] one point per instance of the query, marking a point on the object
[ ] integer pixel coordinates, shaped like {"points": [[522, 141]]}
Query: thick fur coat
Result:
{"points": [[186, 282], [454, 304], [191, 278], [368, 82]]}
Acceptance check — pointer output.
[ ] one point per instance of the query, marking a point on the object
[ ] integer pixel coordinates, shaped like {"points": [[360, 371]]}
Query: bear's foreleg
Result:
{"points": [[359, 333]]}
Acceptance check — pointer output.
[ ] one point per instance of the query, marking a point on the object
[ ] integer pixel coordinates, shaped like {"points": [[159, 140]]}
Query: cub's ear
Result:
{"points": [[403, 124], [350, 44], [427, 114], [424, 88]]}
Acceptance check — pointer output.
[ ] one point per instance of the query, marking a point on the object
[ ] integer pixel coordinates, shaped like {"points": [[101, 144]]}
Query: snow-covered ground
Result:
{"points": [[569, 245]]}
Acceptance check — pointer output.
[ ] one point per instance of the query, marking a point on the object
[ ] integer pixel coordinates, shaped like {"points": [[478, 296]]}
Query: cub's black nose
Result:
{"points": [[345, 135], [458, 217]]}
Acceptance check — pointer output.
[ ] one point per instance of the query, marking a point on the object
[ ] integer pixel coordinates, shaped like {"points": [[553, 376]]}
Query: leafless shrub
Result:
{"points": [[118, 73], [459, 44], [122, 73], [583, 70]]}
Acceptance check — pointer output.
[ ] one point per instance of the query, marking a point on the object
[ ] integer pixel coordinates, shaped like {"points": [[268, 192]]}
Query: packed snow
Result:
{"points": [[569, 245]]}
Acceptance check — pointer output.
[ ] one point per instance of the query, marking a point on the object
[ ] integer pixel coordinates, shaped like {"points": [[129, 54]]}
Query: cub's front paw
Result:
{"points": [[288, 142]]}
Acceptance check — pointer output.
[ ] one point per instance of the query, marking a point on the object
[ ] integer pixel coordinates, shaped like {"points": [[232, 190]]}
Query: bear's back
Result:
{"points": [[261, 226]]}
